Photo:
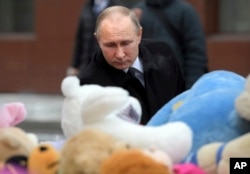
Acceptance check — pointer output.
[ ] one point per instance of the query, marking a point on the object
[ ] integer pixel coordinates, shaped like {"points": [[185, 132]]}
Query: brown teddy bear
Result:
{"points": [[145, 161], [85, 151], [15, 141]]}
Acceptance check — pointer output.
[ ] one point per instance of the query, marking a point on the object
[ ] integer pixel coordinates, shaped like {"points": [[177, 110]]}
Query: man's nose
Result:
{"points": [[119, 52]]}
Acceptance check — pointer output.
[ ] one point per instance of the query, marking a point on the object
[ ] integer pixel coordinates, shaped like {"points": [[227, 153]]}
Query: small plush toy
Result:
{"points": [[145, 161], [134, 162], [12, 113], [43, 159], [209, 109], [14, 141], [93, 106], [214, 158], [85, 151]]}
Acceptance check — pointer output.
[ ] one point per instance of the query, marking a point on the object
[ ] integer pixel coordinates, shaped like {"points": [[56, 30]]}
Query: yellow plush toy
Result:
{"points": [[43, 159], [15, 142], [85, 151]]}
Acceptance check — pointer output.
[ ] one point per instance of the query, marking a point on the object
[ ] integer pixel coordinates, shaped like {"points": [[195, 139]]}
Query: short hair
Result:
{"points": [[117, 9]]}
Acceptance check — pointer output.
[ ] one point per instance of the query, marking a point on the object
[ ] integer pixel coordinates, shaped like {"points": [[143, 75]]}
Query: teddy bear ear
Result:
{"points": [[70, 86], [33, 138], [12, 113]]}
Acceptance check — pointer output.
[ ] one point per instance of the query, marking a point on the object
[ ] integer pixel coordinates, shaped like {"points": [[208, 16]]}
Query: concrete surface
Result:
{"points": [[43, 114]]}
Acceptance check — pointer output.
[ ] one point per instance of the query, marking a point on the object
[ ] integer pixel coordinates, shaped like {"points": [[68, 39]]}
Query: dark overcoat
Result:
{"points": [[162, 75]]}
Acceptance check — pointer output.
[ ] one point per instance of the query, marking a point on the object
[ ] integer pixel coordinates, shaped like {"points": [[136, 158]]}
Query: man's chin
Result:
{"points": [[121, 67]]}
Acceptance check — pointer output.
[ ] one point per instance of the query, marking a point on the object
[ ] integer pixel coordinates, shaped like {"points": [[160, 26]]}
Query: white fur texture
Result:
{"points": [[93, 106], [33, 138], [92, 100], [175, 138]]}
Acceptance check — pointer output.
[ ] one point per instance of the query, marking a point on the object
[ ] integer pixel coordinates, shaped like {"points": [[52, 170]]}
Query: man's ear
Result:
{"points": [[96, 36], [141, 30], [140, 34]]}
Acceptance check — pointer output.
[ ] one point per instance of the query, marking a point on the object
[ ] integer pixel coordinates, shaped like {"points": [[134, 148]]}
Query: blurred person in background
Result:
{"points": [[85, 41], [177, 23]]}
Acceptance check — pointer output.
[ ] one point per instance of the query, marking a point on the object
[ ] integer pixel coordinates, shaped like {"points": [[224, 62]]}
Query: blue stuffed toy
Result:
{"points": [[208, 108]]}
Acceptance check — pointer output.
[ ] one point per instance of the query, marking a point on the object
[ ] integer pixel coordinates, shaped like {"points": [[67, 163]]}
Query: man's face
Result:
{"points": [[119, 41]]}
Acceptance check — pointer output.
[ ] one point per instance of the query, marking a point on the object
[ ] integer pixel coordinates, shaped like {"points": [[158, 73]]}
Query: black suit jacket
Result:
{"points": [[162, 75]]}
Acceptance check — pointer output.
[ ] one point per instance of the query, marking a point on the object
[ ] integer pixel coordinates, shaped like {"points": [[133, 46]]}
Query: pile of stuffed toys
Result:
{"points": [[197, 132]]}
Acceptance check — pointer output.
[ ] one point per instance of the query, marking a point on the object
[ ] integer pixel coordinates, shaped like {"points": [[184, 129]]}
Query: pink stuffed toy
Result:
{"points": [[10, 168], [11, 114], [187, 168]]}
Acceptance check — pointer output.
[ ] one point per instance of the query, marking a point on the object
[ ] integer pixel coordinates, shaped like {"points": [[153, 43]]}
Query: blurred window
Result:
{"points": [[234, 16], [16, 16]]}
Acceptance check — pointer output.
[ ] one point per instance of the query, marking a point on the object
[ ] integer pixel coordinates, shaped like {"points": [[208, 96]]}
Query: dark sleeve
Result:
{"points": [[194, 44], [169, 68], [77, 50], [177, 72], [181, 82]]}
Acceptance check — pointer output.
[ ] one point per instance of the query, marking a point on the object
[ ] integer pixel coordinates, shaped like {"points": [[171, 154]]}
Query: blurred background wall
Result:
{"points": [[36, 40]]}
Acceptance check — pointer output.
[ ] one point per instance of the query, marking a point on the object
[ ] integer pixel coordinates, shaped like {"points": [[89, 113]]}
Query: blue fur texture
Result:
{"points": [[208, 108]]}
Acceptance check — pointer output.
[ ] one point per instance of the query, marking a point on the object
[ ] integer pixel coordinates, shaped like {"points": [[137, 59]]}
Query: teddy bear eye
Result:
{"points": [[110, 151], [43, 148], [128, 146]]}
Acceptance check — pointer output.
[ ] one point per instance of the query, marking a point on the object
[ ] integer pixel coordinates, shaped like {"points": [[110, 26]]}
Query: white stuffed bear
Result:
{"points": [[98, 101], [93, 106]]}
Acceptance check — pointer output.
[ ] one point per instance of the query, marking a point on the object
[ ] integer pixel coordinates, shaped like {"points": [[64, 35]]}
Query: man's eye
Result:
{"points": [[126, 43], [110, 45]]}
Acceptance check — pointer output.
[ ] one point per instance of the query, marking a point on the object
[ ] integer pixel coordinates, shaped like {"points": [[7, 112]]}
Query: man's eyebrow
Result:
{"points": [[122, 42], [127, 41], [109, 43]]}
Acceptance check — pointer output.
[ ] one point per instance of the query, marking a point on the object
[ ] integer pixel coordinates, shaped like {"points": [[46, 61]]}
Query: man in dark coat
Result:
{"points": [[158, 77], [177, 23]]}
